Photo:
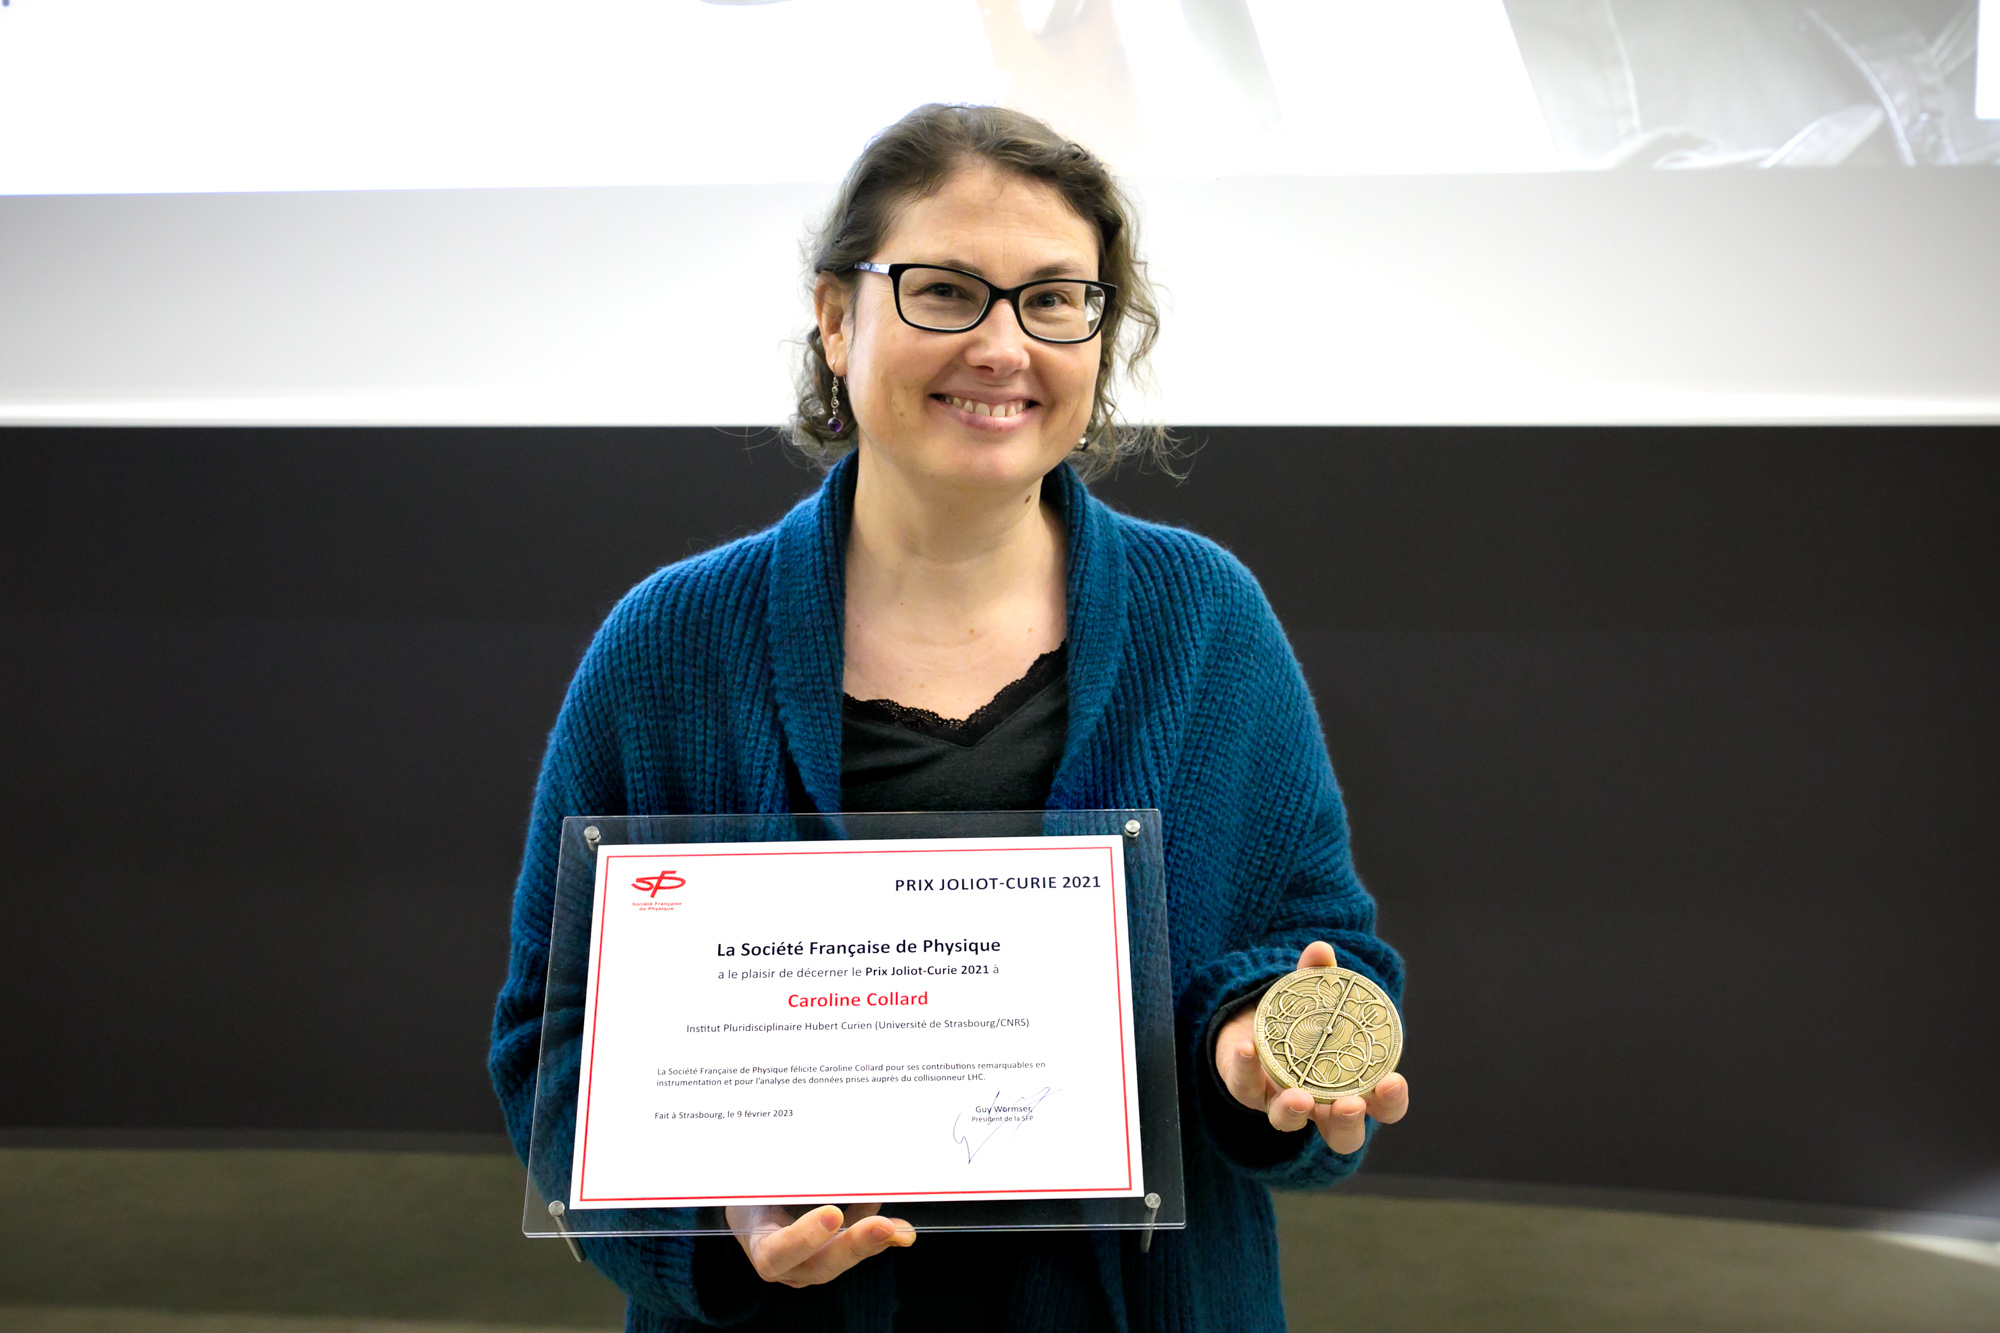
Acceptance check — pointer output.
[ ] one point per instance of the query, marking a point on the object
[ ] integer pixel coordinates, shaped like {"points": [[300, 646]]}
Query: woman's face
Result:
{"points": [[990, 407]]}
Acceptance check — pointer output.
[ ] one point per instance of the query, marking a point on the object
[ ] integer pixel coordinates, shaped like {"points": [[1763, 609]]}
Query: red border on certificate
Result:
{"points": [[603, 920]]}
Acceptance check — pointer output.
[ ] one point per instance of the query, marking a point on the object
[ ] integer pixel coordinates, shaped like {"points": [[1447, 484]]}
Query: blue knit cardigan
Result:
{"points": [[1184, 695]]}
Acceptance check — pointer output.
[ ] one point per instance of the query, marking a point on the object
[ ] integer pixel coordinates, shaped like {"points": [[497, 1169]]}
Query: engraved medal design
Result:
{"points": [[1328, 1030]]}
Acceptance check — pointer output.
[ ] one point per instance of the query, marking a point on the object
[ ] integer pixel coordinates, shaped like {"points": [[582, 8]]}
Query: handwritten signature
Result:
{"points": [[990, 1117]]}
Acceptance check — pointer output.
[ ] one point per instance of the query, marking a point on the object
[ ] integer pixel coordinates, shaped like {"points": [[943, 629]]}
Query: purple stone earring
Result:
{"points": [[834, 425]]}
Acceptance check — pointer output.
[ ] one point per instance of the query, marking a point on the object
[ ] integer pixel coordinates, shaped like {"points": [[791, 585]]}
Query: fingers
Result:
{"points": [[776, 1247], [813, 1249], [1290, 1110], [751, 1224], [1237, 1064], [1318, 954], [1343, 1124], [1389, 1100], [864, 1240]]}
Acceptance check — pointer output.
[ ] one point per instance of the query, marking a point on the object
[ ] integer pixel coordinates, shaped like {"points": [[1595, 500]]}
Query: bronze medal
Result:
{"points": [[1328, 1030]]}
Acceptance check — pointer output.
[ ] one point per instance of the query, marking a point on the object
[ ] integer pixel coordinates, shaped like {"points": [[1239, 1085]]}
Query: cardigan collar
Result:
{"points": [[806, 617]]}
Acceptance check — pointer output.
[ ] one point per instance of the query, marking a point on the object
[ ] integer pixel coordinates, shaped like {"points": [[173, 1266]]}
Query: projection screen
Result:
{"points": [[1469, 211]]}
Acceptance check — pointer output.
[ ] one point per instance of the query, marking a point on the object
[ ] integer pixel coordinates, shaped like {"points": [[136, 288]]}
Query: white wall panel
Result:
{"points": [[494, 211], [1803, 296]]}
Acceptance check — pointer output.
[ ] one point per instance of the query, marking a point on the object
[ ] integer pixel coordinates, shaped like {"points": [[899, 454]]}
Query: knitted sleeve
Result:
{"points": [[1271, 838], [583, 773]]}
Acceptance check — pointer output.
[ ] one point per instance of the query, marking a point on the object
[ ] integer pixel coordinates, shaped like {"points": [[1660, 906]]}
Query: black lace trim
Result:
{"points": [[967, 730]]}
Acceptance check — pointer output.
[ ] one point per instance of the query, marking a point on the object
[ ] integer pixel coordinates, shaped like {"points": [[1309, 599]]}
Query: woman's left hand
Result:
{"points": [[1341, 1123]]}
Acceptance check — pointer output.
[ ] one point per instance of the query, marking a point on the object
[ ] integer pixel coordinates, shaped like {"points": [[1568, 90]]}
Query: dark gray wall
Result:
{"points": [[1670, 754]]}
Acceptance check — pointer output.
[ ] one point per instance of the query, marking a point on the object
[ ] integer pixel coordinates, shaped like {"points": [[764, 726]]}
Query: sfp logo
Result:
{"points": [[650, 885]]}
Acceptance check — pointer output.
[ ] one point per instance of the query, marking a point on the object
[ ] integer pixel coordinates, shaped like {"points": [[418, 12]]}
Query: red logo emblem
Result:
{"points": [[651, 885]]}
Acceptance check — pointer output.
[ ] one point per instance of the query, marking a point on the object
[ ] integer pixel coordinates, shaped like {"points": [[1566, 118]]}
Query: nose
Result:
{"points": [[999, 343]]}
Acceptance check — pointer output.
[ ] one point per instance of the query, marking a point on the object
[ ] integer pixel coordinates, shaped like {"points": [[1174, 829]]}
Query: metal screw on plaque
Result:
{"points": [[591, 836], [556, 1210], [1131, 828], [1152, 1211]]}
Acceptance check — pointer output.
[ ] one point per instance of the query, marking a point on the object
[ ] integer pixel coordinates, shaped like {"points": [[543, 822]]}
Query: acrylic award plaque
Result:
{"points": [[963, 1018]]}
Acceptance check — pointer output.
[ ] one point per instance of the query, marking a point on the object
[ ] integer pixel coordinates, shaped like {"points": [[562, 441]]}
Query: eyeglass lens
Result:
{"points": [[947, 302]]}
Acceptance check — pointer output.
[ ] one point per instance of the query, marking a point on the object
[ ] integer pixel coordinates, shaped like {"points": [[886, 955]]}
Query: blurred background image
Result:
{"points": [[225, 95]]}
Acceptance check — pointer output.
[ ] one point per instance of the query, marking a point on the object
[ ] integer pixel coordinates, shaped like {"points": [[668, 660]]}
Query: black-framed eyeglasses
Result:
{"points": [[950, 300]]}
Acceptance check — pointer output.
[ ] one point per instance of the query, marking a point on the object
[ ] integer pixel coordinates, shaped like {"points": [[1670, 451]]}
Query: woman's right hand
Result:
{"points": [[800, 1250]]}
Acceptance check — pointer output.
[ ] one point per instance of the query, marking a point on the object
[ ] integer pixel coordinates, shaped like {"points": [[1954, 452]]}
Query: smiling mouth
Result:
{"points": [[1008, 409]]}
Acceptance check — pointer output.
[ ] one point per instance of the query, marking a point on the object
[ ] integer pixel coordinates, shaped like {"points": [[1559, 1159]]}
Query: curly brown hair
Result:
{"points": [[913, 158]]}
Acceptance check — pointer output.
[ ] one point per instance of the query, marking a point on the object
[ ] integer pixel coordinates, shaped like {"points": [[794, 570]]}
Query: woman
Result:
{"points": [[954, 623]]}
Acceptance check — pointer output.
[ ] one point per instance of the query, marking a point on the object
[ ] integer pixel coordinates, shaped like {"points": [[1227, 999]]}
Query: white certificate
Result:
{"points": [[865, 1021]]}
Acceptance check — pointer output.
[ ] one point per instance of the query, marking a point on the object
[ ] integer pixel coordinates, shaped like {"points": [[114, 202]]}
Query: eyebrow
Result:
{"points": [[1061, 268]]}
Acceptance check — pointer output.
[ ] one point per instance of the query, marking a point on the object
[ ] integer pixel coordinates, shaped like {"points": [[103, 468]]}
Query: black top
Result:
{"points": [[1003, 757]]}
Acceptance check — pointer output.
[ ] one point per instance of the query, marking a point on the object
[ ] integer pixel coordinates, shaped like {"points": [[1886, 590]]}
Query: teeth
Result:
{"points": [[1012, 409]]}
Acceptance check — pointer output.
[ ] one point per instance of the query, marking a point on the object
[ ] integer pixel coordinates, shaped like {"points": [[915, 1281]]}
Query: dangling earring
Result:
{"points": [[834, 425]]}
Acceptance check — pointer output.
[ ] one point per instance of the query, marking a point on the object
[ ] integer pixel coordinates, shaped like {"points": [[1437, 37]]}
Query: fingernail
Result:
{"points": [[830, 1219]]}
